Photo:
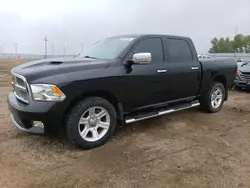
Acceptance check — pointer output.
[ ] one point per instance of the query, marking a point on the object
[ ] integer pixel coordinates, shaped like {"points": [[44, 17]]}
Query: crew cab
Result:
{"points": [[119, 80]]}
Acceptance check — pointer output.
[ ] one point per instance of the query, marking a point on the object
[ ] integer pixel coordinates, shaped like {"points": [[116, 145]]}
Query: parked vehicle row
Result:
{"points": [[242, 80], [239, 62], [119, 80], [204, 57]]}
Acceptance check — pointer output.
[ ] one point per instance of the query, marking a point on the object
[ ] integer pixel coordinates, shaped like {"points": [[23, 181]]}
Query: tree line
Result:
{"points": [[239, 44]]}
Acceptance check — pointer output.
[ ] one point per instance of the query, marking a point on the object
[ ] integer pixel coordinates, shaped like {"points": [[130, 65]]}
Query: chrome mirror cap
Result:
{"points": [[142, 58]]}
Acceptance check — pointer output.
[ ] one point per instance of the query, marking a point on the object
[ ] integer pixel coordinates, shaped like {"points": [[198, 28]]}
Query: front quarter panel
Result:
{"points": [[77, 84]]}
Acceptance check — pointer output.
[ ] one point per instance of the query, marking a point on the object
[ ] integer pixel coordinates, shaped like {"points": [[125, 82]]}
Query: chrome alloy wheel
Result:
{"points": [[94, 124], [217, 97]]}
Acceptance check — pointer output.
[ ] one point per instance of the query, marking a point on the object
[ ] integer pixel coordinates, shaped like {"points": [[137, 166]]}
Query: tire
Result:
{"points": [[90, 126], [237, 88], [206, 100]]}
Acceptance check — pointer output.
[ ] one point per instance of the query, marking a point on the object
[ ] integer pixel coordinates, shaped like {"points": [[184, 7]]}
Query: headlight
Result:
{"points": [[46, 92], [238, 75]]}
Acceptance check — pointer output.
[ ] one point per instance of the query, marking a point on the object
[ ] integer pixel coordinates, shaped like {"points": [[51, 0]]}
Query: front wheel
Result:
{"points": [[91, 123], [213, 100]]}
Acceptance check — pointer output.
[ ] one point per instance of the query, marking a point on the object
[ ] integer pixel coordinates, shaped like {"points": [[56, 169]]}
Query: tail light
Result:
{"points": [[236, 71]]}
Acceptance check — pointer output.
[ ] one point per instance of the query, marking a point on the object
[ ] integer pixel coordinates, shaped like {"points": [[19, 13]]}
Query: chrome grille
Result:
{"points": [[20, 82], [244, 76], [21, 90]]}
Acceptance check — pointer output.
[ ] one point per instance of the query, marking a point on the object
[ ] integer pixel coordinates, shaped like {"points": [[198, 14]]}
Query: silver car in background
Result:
{"points": [[204, 57]]}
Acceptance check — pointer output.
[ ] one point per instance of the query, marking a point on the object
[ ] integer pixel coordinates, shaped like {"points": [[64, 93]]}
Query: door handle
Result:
{"points": [[161, 71], [194, 68]]}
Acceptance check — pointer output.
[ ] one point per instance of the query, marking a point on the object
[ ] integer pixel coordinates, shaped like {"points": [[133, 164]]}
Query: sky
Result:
{"points": [[73, 25]]}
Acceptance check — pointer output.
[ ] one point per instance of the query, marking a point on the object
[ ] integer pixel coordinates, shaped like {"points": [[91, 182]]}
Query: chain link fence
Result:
{"points": [[9, 57], [28, 57], [243, 56]]}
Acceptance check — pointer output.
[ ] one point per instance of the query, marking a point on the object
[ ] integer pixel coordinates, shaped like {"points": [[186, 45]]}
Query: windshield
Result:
{"points": [[108, 48]]}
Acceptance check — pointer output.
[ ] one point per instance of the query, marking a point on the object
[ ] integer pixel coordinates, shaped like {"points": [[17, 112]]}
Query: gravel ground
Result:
{"points": [[184, 149]]}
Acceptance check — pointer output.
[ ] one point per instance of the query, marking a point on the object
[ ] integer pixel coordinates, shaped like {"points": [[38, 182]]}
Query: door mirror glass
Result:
{"points": [[142, 58]]}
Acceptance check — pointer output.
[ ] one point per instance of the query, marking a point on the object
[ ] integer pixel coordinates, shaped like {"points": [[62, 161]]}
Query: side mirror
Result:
{"points": [[142, 58]]}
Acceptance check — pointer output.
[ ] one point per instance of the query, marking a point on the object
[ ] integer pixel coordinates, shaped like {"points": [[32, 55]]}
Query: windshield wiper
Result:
{"points": [[90, 57], [244, 64]]}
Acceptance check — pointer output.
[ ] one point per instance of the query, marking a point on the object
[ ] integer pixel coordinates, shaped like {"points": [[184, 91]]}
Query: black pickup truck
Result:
{"points": [[119, 80]]}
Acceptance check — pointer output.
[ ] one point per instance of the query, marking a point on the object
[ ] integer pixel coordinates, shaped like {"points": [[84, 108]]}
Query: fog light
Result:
{"points": [[38, 124]]}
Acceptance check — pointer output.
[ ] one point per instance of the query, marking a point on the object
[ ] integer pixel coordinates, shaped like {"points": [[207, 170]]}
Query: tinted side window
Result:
{"points": [[151, 45], [178, 50]]}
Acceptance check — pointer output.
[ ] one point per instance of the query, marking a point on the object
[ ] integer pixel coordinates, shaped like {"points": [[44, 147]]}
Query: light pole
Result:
{"points": [[45, 46], [15, 48], [53, 49], [236, 32]]}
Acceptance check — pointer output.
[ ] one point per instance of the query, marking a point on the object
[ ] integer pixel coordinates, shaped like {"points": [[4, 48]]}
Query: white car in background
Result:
{"points": [[239, 62]]}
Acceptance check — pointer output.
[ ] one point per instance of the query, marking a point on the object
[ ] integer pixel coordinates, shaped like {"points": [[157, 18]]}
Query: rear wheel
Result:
{"points": [[91, 123], [213, 100]]}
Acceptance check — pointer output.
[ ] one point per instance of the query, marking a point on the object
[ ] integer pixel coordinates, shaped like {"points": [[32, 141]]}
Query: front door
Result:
{"points": [[142, 83]]}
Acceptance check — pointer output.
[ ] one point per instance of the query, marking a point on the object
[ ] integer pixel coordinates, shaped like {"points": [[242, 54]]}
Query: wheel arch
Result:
{"points": [[222, 79], [103, 94]]}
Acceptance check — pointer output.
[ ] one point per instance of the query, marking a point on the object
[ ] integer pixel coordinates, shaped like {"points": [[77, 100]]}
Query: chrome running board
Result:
{"points": [[146, 115]]}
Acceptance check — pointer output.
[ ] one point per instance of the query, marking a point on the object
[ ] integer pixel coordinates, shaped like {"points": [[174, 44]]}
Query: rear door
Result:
{"points": [[184, 70], [142, 83]]}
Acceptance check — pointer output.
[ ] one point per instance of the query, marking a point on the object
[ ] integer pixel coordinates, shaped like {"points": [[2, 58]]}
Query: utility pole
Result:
{"points": [[64, 50], [15, 48], [45, 46], [82, 46], [65, 47], [53, 49], [236, 33]]}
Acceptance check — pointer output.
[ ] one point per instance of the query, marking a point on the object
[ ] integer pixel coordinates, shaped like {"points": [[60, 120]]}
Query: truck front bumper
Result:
{"points": [[242, 84], [35, 129], [37, 117]]}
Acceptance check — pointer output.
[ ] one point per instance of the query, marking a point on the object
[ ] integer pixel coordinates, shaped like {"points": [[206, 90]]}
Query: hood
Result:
{"points": [[55, 66], [244, 69]]}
